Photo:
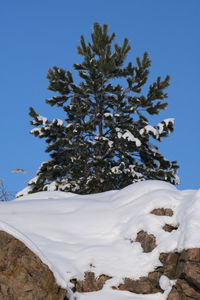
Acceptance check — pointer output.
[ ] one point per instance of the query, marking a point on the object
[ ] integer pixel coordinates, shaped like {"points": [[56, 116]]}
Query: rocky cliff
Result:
{"points": [[24, 276]]}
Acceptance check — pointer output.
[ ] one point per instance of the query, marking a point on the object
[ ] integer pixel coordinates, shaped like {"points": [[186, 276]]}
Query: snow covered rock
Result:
{"points": [[23, 276], [177, 279], [188, 274], [138, 243]]}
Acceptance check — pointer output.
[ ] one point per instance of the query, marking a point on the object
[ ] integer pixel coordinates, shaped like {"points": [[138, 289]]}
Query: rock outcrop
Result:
{"points": [[187, 274], [23, 276], [147, 241], [90, 283], [183, 267]]}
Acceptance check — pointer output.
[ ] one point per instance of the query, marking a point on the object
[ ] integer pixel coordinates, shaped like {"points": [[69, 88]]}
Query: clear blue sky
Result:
{"points": [[39, 34]]}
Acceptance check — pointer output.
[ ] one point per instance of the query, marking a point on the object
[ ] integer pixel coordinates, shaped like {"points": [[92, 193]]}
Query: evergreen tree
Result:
{"points": [[105, 140]]}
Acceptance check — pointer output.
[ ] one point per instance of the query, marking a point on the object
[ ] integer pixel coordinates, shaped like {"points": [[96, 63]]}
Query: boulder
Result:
{"points": [[187, 273], [188, 267], [170, 262], [144, 285], [182, 290], [169, 228], [23, 275], [162, 212], [147, 241]]}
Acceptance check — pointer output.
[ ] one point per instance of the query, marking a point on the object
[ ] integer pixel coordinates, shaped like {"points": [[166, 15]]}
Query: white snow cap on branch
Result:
{"points": [[158, 129], [147, 129], [38, 130], [129, 136], [43, 119], [58, 121], [165, 122]]}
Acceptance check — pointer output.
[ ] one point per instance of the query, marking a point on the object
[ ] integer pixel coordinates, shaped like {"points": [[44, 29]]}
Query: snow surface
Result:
{"points": [[73, 234]]}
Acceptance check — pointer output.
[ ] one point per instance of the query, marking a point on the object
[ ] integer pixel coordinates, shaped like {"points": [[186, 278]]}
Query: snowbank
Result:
{"points": [[73, 234]]}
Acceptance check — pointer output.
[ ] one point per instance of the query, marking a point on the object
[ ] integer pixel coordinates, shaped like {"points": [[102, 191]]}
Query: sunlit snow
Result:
{"points": [[73, 234]]}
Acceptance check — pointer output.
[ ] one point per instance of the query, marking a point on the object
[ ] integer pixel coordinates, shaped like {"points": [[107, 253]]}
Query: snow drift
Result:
{"points": [[73, 234]]}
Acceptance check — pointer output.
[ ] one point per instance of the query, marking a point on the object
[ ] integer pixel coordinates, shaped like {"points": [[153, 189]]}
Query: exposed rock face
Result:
{"points": [[90, 283], [188, 274], [169, 228], [144, 285], [183, 291], [147, 241], [22, 274], [170, 262], [162, 212]]}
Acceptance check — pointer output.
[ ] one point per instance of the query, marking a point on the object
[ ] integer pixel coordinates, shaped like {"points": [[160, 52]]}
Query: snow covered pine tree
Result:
{"points": [[105, 141]]}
